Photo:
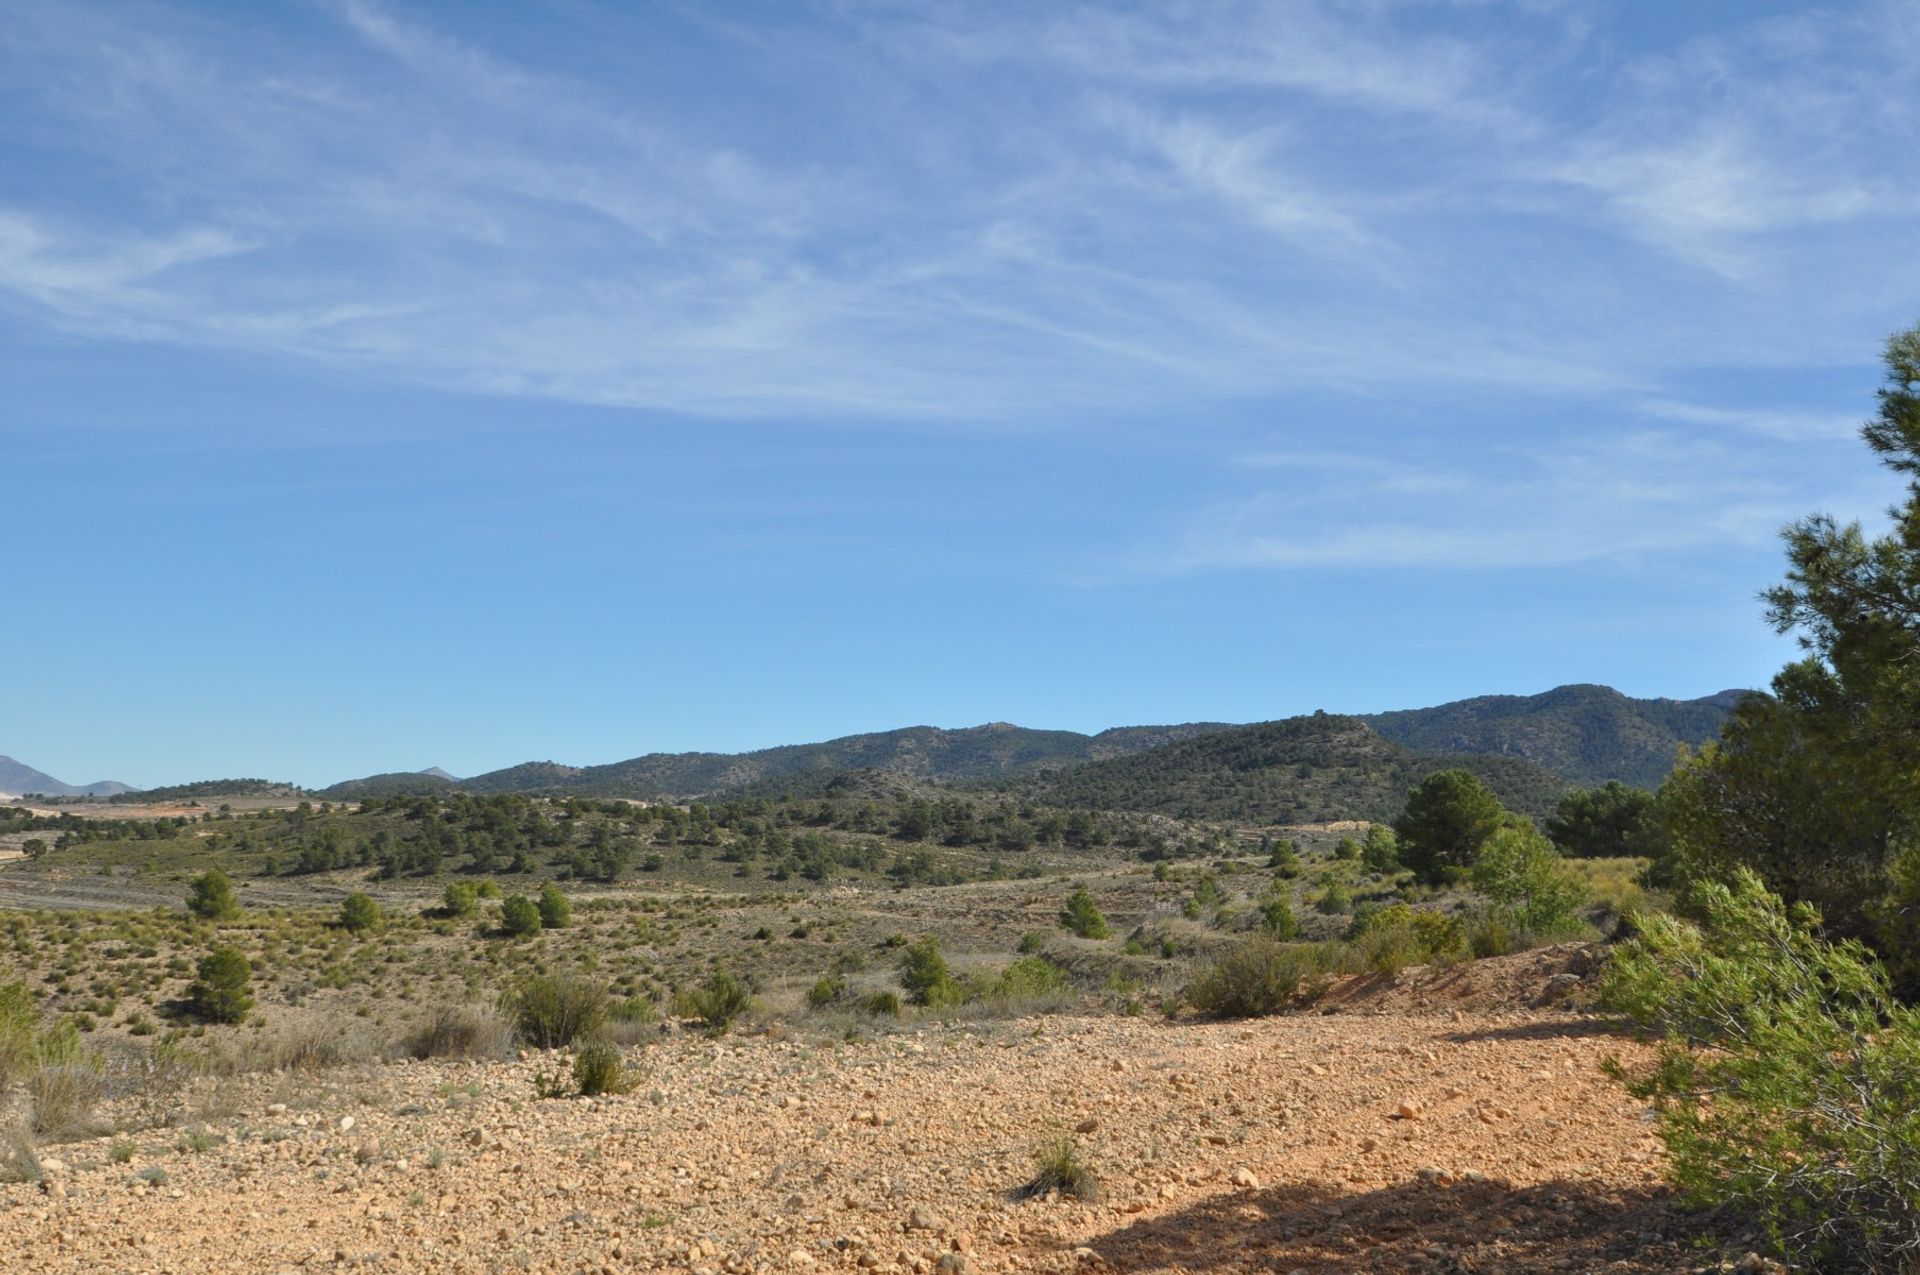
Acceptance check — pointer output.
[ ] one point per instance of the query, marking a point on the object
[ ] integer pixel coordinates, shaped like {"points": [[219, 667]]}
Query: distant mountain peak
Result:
{"points": [[437, 773], [18, 777]]}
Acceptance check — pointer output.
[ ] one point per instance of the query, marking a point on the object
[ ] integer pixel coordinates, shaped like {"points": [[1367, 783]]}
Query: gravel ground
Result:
{"points": [[1418, 1136]]}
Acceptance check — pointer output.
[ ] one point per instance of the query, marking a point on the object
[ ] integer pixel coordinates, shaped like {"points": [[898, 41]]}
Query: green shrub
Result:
{"points": [[1525, 877], [1028, 978], [1283, 858], [461, 1031], [884, 1005], [599, 1069], [826, 993], [924, 973], [1335, 899], [461, 898], [1489, 936], [1081, 916], [555, 912], [551, 1011], [64, 1096], [1346, 849], [1058, 1167], [210, 897], [221, 989], [1277, 919], [1381, 851], [520, 916], [1031, 942], [1788, 1079], [359, 913], [633, 1009], [1258, 976], [716, 1003]]}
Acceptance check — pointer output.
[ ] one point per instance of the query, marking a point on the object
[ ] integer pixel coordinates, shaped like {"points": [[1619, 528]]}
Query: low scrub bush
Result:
{"points": [[551, 1012], [599, 1069], [1059, 1167], [1787, 1085], [884, 1005], [1083, 917], [826, 993], [716, 1003], [556, 912], [359, 913], [1256, 977], [462, 1031], [519, 916], [63, 1099], [926, 977], [221, 991]]}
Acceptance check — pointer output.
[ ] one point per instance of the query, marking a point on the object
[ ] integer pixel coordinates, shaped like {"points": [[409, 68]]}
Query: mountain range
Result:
{"points": [[18, 778], [1528, 748], [1589, 734]]}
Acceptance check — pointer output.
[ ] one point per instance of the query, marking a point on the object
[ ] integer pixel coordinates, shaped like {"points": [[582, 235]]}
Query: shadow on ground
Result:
{"points": [[1480, 1227], [1556, 1029]]}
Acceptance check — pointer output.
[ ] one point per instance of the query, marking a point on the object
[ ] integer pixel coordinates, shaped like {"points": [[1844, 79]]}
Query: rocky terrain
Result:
{"points": [[1444, 1121]]}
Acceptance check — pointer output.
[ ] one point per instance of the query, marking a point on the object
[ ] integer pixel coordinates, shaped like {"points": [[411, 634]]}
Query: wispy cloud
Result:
{"points": [[977, 215], [1633, 495]]}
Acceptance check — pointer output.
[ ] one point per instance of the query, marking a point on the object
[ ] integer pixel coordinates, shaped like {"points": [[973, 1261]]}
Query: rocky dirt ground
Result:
{"points": [[1438, 1124]]}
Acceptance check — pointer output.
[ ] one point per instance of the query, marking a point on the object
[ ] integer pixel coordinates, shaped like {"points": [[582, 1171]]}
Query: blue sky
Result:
{"points": [[387, 385]]}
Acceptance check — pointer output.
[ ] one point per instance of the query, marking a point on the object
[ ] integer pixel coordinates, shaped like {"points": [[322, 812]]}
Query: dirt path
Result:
{"points": [[1442, 1141]]}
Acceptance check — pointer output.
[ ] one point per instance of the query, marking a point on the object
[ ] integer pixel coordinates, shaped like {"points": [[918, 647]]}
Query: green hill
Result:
{"points": [[975, 754], [1589, 734], [1300, 770]]}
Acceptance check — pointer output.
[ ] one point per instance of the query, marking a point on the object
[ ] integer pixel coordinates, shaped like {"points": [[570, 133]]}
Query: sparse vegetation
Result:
{"points": [[1060, 1167], [552, 1011]]}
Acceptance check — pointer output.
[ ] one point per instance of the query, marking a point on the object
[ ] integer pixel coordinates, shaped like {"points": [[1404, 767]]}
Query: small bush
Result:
{"points": [[1381, 851], [1335, 899], [221, 989], [1525, 877], [520, 916], [826, 993], [359, 913], [556, 913], [1347, 849], [884, 1005], [210, 897], [924, 973], [1258, 976], [461, 898], [19, 1159], [462, 1031], [551, 1012], [1031, 942], [1277, 919], [1489, 936], [1058, 1167], [64, 1097], [1083, 917], [599, 1069], [716, 1003], [1031, 978]]}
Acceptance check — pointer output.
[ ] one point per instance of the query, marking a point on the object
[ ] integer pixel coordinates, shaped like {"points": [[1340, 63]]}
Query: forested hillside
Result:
{"points": [[971, 755], [1300, 770], [1589, 734]]}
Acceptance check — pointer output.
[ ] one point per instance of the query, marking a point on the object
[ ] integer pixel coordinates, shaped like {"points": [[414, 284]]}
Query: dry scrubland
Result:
{"points": [[1432, 1124], [1450, 1117]]}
